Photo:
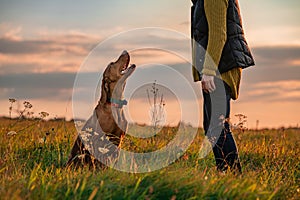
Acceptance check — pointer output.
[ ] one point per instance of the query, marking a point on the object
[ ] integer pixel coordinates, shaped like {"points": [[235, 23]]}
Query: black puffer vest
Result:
{"points": [[236, 52]]}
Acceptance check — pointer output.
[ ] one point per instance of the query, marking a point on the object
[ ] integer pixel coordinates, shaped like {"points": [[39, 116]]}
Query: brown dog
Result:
{"points": [[102, 134]]}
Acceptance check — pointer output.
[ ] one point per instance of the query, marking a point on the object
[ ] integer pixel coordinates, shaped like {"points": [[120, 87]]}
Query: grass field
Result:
{"points": [[32, 160]]}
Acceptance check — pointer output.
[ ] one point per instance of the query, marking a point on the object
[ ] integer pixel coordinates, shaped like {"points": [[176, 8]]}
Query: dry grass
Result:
{"points": [[32, 167]]}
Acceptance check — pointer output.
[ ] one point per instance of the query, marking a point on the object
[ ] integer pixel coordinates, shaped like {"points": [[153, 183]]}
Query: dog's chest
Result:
{"points": [[119, 118]]}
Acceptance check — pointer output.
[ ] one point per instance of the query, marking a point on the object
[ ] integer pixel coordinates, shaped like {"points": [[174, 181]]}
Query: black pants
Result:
{"points": [[216, 110]]}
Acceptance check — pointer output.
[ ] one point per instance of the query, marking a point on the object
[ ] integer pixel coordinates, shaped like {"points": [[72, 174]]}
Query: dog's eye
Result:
{"points": [[111, 63]]}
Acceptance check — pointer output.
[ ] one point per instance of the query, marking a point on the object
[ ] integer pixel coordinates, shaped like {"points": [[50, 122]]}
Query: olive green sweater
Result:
{"points": [[216, 11]]}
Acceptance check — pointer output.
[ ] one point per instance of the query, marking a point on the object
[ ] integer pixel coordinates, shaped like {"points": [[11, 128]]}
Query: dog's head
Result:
{"points": [[115, 76]]}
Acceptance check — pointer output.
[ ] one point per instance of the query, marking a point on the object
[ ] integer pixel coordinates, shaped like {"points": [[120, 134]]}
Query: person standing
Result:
{"points": [[220, 52]]}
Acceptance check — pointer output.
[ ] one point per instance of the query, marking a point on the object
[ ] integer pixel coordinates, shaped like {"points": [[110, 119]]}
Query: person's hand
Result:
{"points": [[208, 84]]}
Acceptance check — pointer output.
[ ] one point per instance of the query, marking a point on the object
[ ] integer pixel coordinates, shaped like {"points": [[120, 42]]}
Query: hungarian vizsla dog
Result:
{"points": [[99, 140]]}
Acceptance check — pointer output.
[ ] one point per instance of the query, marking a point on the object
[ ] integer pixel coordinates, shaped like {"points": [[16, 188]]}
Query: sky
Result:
{"points": [[45, 45]]}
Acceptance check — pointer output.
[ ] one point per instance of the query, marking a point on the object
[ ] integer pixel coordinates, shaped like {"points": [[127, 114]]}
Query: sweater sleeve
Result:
{"points": [[216, 11]]}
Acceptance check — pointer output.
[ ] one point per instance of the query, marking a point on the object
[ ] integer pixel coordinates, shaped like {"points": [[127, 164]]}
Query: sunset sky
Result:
{"points": [[44, 44]]}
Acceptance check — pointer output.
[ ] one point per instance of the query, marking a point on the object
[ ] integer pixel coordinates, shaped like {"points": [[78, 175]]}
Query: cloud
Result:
{"points": [[48, 94], [50, 86], [7, 30], [50, 63], [66, 52], [72, 44], [63, 53], [276, 63], [37, 86], [9, 46], [38, 63], [274, 91], [44, 85], [277, 55]]}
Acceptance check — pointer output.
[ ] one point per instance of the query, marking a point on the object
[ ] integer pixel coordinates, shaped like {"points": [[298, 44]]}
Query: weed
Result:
{"points": [[31, 168]]}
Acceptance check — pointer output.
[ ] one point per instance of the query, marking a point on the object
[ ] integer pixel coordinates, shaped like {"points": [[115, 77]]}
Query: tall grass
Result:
{"points": [[32, 167]]}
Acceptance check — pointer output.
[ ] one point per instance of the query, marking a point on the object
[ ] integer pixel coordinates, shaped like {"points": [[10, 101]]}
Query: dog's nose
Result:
{"points": [[124, 52]]}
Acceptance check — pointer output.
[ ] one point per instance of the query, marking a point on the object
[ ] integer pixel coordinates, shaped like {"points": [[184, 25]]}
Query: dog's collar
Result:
{"points": [[118, 102]]}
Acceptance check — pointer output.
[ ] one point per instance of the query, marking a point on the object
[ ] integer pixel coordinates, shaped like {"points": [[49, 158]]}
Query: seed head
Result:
{"points": [[12, 100]]}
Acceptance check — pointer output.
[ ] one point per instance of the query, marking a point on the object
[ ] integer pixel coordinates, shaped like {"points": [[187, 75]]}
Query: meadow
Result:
{"points": [[33, 153]]}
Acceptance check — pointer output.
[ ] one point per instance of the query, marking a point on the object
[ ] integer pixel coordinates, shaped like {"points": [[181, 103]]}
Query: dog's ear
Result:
{"points": [[106, 86], [104, 90]]}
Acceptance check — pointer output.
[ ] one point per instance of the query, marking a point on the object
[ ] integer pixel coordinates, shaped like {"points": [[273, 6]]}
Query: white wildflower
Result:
{"points": [[42, 140], [85, 133], [10, 133], [84, 138], [89, 130], [78, 123], [88, 147], [103, 150]]}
